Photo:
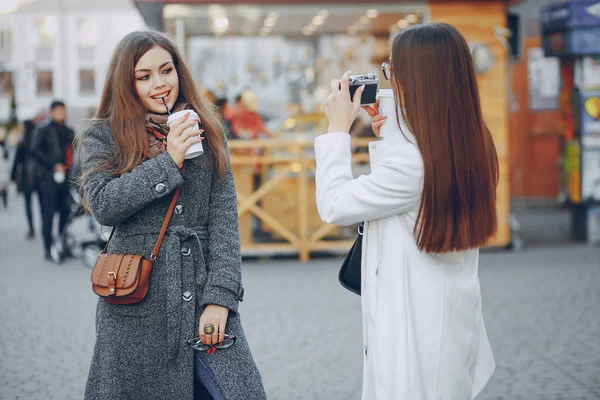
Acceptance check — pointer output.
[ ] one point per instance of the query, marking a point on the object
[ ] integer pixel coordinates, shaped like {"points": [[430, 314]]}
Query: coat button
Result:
{"points": [[178, 209], [366, 350], [187, 295], [160, 188], [186, 251], [377, 272]]}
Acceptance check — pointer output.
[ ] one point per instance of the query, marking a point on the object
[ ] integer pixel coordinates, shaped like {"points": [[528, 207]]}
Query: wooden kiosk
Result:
{"points": [[275, 177]]}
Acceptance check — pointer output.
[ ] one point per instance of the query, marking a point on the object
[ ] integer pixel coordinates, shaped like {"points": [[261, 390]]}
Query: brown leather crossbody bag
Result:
{"points": [[124, 278]]}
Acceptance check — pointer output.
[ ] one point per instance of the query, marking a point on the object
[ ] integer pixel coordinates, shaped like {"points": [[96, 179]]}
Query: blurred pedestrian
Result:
{"points": [[4, 173], [132, 163], [246, 122], [51, 148], [428, 205], [22, 173], [237, 103], [222, 105]]}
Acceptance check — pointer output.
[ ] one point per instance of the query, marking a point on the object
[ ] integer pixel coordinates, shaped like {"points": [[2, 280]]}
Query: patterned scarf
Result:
{"points": [[157, 129]]}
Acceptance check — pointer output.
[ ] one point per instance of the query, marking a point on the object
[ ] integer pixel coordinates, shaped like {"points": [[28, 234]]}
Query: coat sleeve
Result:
{"points": [[393, 187], [224, 284], [112, 198]]}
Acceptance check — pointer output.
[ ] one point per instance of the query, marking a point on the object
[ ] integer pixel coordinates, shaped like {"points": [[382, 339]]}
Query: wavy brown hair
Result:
{"points": [[434, 82], [121, 106]]}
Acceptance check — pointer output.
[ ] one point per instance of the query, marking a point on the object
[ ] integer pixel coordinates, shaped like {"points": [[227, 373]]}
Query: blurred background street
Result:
{"points": [[541, 307], [270, 62]]}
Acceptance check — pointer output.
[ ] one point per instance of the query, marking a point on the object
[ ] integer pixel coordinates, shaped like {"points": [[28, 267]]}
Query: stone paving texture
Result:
{"points": [[541, 306]]}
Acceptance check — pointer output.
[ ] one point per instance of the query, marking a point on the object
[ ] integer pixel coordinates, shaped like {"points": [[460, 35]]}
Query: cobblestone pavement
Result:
{"points": [[542, 311]]}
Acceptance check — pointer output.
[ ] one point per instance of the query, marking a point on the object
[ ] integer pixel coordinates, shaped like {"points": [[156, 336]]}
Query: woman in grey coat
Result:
{"points": [[132, 162]]}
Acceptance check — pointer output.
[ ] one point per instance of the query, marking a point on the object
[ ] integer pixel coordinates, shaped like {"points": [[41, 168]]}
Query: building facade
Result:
{"points": [[60, 49]]}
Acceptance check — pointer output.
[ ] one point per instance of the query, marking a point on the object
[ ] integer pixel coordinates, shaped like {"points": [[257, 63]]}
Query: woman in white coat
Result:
{"points": [[428, 204]]}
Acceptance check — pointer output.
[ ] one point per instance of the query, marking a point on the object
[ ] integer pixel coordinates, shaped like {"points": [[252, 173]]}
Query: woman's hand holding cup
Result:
{"points": [[376, 119], [178, 140]]}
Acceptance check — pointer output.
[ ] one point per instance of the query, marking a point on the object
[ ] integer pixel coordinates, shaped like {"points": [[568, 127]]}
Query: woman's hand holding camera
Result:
{"points": [[377, 119], [339, 109], [178, 140]]}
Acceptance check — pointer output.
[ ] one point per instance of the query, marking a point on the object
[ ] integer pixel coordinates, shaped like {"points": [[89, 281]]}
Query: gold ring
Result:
{"points": [[209, 329]]}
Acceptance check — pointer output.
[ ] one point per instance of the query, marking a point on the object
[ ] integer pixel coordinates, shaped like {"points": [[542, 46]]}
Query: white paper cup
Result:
{"points": [[59, 176], [387, 107], [196, 149]]}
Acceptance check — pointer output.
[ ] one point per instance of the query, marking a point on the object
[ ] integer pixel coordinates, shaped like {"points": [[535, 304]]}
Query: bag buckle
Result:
{"points": [[112, 283]]}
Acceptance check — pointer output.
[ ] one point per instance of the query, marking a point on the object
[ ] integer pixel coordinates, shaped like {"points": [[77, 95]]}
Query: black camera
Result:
{"points": [[371, 84]]}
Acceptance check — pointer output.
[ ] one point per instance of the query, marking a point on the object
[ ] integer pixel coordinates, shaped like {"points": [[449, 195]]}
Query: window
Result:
{"points": [[5, 83], [45, 29], [44, 82], [87, 82], [87, 32]]}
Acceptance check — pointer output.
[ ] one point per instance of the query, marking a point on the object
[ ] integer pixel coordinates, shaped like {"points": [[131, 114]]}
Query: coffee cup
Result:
{"points": [[196, 149], [59, 176], [387, 107]]}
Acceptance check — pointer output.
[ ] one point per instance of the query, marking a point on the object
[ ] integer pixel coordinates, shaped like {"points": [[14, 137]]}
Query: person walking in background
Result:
{"points": [[23, 175], [428, 204], [51, 149], [132, 163], [4, 173]]}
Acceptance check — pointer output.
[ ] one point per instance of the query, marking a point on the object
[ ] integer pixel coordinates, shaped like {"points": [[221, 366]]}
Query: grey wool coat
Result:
{"points": [[140, 351]]}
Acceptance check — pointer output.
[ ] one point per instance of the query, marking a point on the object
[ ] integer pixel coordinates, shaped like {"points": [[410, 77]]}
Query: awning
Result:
{"points": [[292, 17]]}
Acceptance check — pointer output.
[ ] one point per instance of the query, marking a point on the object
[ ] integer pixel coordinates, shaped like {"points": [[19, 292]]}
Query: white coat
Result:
{"points": [[423, 331]]}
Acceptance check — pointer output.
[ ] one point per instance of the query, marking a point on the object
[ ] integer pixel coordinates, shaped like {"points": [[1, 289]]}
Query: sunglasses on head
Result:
{"points": [[197, 344]]}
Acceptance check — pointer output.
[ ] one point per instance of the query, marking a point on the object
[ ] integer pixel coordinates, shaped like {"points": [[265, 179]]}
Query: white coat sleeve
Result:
{"points": [[393, 187]]}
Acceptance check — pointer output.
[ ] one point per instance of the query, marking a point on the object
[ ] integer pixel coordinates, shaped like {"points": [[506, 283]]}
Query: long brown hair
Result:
{"points": [[435, 85], [121, 106]]}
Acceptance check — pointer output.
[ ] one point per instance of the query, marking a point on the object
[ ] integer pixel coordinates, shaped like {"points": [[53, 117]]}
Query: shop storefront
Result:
{"points": [[286, 54], [570, 31]]}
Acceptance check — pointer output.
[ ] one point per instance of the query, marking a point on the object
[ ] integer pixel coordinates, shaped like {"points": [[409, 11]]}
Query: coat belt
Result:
{"points": [[181, 269], [201, 231]]}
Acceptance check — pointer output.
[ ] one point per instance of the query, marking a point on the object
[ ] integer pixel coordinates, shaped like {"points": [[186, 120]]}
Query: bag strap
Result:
{"points": [[163, 229], [154, 253]]}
